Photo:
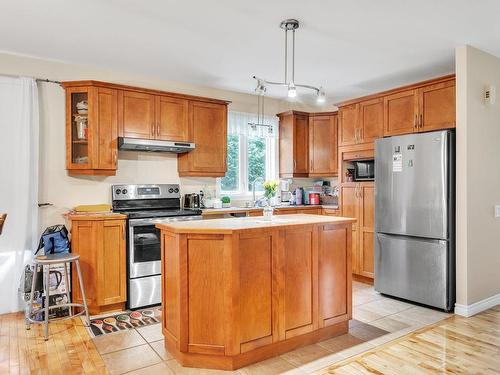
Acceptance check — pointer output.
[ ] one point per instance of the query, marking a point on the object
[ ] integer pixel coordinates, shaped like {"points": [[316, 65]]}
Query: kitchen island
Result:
{"points": [[240, 290]]}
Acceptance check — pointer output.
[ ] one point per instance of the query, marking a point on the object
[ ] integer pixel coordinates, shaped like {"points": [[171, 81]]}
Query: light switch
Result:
{"points": [[497, 210]]}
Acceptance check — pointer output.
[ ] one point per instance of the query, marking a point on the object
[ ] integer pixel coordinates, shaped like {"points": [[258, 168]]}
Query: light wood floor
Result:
{"points": [[68, 351], [453, 346]]}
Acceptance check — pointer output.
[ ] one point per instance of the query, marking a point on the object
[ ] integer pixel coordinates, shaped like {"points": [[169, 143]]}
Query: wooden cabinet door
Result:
{"points": [[333, 273], [106, 144], [348, 125], [301, 145], [300, 287], [84, 241], [349, 203], [371, 120], [366, 229], [323, 146], [437, 106], [136, 114], [111, 262], [208, 130], [401, 113], [286, 146], [171, 119]]}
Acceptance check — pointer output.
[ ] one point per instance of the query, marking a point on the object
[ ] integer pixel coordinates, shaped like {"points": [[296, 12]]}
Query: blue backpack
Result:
{"points": [[54, 240]]}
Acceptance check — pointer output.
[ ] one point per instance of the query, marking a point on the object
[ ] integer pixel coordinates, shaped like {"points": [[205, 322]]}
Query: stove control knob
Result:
{"points": [[176, 190], [170, 190], [124, 191], [118, 191]]}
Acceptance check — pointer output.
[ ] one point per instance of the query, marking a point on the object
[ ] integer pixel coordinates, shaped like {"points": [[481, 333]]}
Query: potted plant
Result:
{"points": [[226, 202], [270, 189]]}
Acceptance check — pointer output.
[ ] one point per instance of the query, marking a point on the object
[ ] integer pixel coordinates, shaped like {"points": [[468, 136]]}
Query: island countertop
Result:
{"points": [[228, 226]]}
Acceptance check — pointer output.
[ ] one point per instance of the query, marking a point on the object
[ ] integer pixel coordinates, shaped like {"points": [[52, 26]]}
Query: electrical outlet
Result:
{"points": [[497, 210]]}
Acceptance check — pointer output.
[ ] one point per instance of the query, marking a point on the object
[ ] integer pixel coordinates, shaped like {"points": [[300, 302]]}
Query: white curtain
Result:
{"points": [[238, 125], [19, 126]]}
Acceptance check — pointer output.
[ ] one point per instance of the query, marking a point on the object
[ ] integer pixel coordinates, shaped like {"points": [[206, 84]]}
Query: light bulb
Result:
{"points": [[260, 89], [321, 95], [292, 90]]}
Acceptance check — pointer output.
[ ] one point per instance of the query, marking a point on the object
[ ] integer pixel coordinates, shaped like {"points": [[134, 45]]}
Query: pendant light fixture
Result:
{"points": [[260, 113], [289, 25]]}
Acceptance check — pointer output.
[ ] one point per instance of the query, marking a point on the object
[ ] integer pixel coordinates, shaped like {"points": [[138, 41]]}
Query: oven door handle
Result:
{"points": [[152, 221]]}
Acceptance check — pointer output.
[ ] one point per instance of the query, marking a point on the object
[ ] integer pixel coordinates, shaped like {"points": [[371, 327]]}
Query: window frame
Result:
{"points": [[272, 159]]}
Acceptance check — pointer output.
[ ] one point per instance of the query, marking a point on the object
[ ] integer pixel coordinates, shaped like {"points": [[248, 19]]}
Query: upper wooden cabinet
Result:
{"points": [[136, 113], [208, 130], [308, 144], [91, 130], [172, 116], [437, 106], [322, 145], [294, 147], [361, 123], [401, 113], [420, 107], [97, 113]]}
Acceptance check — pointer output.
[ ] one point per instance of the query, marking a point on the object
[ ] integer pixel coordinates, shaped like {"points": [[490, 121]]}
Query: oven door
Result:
{"points": [[145, 245]]}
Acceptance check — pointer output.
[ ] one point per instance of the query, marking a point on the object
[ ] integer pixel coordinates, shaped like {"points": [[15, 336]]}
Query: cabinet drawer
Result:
{"points": [[355, 155]]}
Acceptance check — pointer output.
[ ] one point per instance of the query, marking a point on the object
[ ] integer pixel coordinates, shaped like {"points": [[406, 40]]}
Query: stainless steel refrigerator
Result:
{"points": [[415, 218]]}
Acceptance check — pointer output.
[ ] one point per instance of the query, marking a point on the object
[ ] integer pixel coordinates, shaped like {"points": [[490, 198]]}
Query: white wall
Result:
{"points": [[478, 180], [63, 191]]}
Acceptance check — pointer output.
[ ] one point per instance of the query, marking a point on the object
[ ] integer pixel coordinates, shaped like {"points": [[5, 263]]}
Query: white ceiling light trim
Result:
{"points": [[289, 25]]}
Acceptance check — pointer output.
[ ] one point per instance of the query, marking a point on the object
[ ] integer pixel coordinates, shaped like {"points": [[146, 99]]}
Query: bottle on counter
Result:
{"points": [[298, 196]]}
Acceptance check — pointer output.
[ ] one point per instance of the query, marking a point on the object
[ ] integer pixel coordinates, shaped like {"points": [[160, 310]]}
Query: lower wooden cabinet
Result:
{"points": [[358, 201], [100, 241]]}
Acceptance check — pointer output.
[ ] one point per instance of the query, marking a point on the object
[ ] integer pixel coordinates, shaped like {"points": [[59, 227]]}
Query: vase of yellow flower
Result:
{"points": [[270, 188]]}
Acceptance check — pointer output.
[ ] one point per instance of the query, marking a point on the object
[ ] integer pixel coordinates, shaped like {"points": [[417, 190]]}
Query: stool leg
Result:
{"points": [[82, 291], [66, 280], [32, 297], [47, 295]]}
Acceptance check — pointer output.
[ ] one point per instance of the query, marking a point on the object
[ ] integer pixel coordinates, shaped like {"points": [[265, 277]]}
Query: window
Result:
{"points": [[250, 154]]}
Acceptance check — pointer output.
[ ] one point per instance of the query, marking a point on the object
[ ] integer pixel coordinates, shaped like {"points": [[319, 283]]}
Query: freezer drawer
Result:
{"points": [[415, 269]]}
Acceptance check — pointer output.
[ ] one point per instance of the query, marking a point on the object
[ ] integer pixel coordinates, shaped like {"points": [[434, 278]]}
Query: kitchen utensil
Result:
{"points": [[150, 314], [108, 328], [137, 316], [98, 324], [111, 322], [124, 319], [122, 325]]}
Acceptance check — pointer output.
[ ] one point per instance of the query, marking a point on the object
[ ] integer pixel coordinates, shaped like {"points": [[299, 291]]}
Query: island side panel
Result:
{"points": [[334, 274], [300, 283], [206, 294], [256, 288], [170, 273]]}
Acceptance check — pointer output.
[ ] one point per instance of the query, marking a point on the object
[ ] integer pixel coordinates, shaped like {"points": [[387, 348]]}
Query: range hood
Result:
{"points": [[136, 144]]}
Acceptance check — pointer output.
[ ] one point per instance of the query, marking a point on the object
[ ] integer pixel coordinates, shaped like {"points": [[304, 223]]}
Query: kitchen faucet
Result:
{"points": [[258, 179]]}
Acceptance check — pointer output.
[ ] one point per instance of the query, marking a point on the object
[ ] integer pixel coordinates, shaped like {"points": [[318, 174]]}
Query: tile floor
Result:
{"points": [[376, 320]]}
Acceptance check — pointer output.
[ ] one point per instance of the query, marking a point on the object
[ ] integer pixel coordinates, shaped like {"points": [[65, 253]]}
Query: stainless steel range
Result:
{"points": [[145, 206]]}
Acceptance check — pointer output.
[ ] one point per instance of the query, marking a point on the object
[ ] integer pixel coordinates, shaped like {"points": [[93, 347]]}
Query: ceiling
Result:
{"points": [[351, 48]]}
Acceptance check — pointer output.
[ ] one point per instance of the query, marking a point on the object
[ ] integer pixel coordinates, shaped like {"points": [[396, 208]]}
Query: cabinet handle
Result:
{"points": [[415, 123], [294, 165], [421, 120], [158, 129], [115, 157]]}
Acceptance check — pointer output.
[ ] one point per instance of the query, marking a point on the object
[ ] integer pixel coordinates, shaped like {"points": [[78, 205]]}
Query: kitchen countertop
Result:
{"points": [[224, 226], [208, 211]]}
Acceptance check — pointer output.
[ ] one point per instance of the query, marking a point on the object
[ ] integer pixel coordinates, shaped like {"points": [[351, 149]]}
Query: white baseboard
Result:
{"points": [[475, 308]]}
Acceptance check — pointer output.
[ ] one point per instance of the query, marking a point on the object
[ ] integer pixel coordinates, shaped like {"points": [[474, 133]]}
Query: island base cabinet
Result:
{"points": [[233, 299]]}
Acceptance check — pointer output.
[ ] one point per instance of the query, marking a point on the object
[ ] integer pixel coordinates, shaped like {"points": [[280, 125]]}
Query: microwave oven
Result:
{"points": [[364, 170]]}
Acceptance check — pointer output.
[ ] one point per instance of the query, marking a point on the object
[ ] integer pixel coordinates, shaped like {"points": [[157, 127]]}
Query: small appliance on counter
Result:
{"points": [[192, 200], [285, 193]]}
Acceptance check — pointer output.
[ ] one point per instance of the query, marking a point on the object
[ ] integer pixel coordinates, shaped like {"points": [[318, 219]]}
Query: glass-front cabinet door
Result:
{"points": [[78, 128]]}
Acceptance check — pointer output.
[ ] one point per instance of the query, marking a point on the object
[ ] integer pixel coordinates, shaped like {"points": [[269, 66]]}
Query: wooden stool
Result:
{"points": [[45, 261]]}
